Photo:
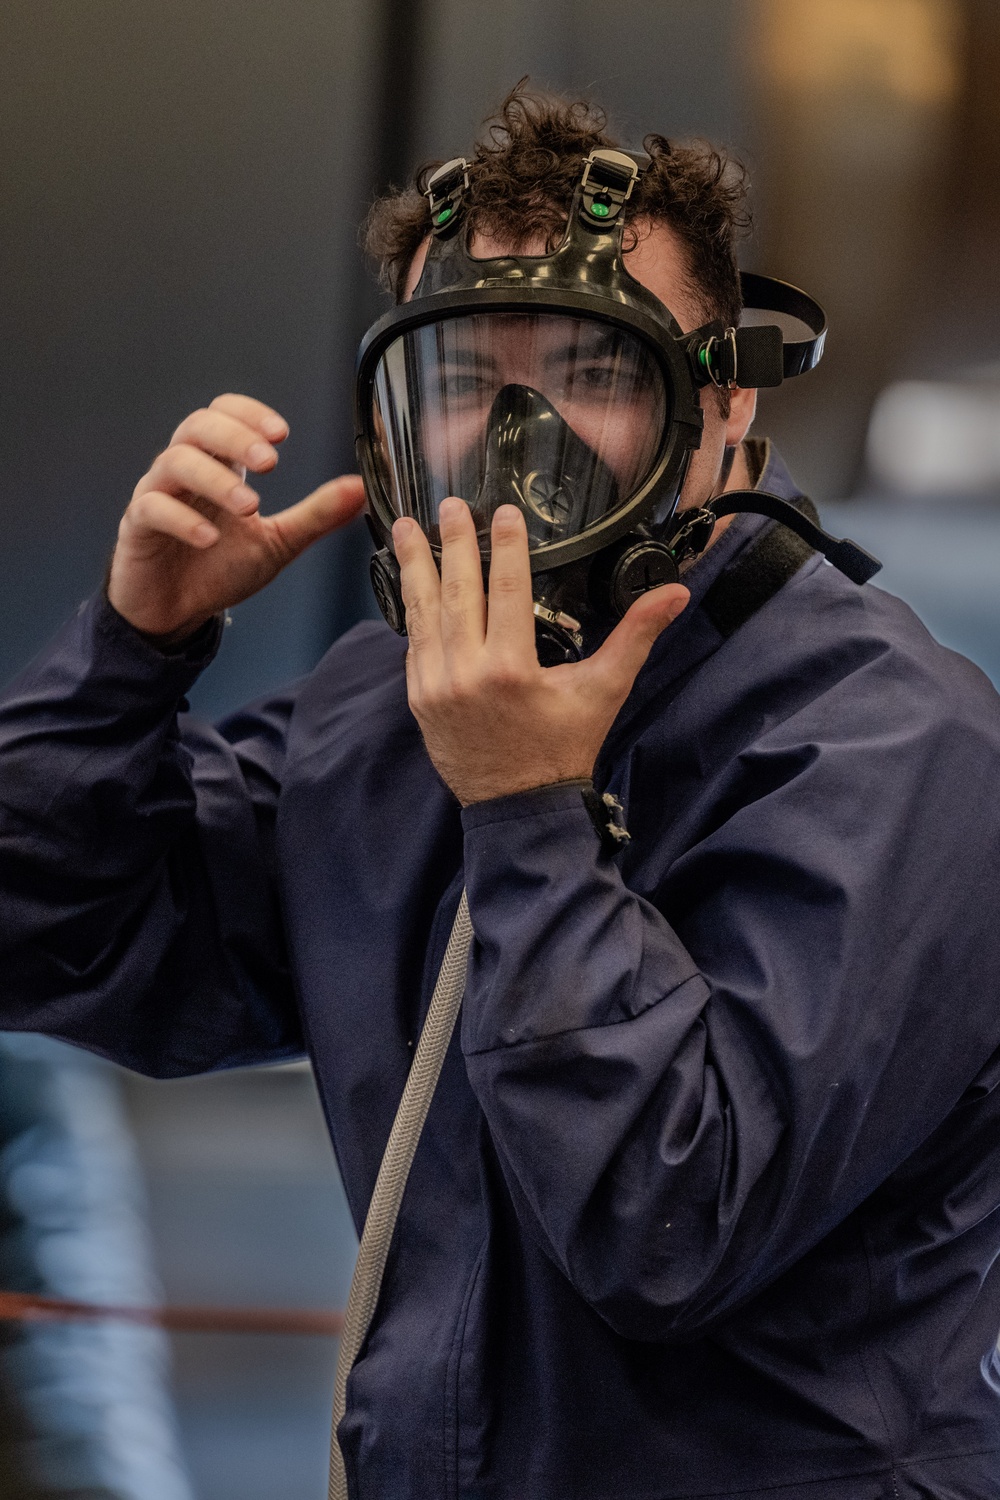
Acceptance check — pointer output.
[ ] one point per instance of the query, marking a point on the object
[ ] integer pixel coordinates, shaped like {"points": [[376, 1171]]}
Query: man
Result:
{"points": [[707, 1198]]}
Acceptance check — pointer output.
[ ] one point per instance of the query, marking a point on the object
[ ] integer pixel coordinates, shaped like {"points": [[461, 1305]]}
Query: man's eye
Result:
{"points": [[460, 385], [595, 377]]}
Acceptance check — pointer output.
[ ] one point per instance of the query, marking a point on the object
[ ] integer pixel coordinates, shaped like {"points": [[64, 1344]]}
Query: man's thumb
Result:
{"points": [[628, 645], [333, 504]]}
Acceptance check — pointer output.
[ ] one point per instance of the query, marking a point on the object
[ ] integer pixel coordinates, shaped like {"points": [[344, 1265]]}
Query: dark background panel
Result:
{"points": [[180, 197]]}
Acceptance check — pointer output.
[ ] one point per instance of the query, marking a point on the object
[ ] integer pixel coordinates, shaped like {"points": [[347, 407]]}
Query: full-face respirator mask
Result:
{"points": [[560, 384]]}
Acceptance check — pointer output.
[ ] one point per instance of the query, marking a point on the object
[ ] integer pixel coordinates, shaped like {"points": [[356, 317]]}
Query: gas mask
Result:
{"points": [[558, 383]]}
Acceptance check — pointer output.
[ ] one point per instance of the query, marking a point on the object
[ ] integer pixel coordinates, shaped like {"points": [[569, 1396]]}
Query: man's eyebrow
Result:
{"points": [[459, 355], [595, 345]]}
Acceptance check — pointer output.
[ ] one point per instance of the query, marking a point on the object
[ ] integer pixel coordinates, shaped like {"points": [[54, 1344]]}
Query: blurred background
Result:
{"points": [[181, 186]]}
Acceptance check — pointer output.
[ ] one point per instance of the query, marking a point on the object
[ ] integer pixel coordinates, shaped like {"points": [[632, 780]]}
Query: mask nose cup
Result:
{"points": [[535, 460]]}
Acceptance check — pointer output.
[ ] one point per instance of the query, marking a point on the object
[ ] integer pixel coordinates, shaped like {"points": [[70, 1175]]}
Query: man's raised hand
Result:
{"points": [[193, 542], [493, 720]]}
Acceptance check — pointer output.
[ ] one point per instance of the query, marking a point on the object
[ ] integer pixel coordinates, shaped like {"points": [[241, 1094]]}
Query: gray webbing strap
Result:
{"points": [[383, 1210]]}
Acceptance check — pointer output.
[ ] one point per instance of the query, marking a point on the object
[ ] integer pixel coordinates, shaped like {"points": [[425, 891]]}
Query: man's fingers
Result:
{"points": [[463, 602], [616, 665], [183, 468], [228, 438], [421, 596], [270, 423], [332, 505], [511, 621], [165, 515]]}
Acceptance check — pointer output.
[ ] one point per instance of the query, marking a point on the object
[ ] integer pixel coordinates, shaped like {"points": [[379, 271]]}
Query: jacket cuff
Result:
{"points": [[99, 685], [607, 816], [558, 796], [193, 654]]}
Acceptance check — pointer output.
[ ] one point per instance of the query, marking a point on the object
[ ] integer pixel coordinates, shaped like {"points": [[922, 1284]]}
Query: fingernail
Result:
{"points": [[205, 532], [678, 607], [261, 454], [245, 499], [450, 509], [402, 528], [276, 427]]}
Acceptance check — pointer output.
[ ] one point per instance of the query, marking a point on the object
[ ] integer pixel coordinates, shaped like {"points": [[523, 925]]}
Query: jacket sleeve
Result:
{"points": [[138, 909], [680, 1120]]}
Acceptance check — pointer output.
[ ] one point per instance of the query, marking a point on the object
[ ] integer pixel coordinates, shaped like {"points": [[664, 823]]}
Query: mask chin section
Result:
{"points": [[557, 636]]}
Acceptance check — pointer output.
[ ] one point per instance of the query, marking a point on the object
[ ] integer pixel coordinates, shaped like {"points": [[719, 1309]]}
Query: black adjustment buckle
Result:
{"points": [[718, 359], [692, 535], [606, 186], [444, 191], [608, 817]]}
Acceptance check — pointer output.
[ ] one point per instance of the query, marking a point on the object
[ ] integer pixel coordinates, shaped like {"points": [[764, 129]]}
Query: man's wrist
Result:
{"points": [[181, 642], [526, 791], [196, 647]]}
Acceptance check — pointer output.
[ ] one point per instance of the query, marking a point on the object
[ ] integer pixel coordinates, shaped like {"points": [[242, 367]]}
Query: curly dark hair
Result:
{"points": [[522, 177]]}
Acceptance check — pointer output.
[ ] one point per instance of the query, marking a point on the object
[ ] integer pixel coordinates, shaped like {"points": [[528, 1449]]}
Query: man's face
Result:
{"points": [[598, 380], [573, 362]]}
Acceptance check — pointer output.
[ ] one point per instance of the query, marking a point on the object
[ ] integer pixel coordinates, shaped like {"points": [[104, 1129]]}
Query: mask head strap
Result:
{"points": [[758, 355], [693, 529], [444, 190], [605, 187], [591, 248]]}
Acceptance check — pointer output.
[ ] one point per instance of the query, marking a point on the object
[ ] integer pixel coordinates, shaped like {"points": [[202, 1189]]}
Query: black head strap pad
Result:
{"points": [[589, 258]]}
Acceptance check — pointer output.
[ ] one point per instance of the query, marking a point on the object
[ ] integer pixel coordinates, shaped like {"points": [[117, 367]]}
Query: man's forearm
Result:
{"points": [[115, 901], [677, 1130]]}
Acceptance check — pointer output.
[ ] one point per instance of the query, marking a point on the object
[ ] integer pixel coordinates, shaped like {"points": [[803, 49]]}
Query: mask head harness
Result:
{"points": [[561, 384]]}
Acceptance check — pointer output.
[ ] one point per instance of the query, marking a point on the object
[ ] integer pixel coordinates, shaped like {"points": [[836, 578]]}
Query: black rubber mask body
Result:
{"points": [[535, 460]]}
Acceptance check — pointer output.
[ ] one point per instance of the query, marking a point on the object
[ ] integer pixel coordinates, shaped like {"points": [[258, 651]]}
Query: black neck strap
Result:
{"points": [[853, 561], [757, 575]]}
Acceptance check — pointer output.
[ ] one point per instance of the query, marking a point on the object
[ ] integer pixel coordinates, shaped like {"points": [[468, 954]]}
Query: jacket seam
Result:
{"points": [[554, 1036], [773, 1489], [453, 1382], [862, 1361], [767, 1489]]}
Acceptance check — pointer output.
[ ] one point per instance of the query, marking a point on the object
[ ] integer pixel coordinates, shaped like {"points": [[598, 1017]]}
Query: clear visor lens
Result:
{"points": [[560, 415]]}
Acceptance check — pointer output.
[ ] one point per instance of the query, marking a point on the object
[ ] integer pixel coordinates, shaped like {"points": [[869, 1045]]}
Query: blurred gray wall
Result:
{"points": [[181, 184]]}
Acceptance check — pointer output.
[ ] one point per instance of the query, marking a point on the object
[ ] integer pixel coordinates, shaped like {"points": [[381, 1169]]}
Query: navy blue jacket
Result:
{"points": [[707, 1200]]}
